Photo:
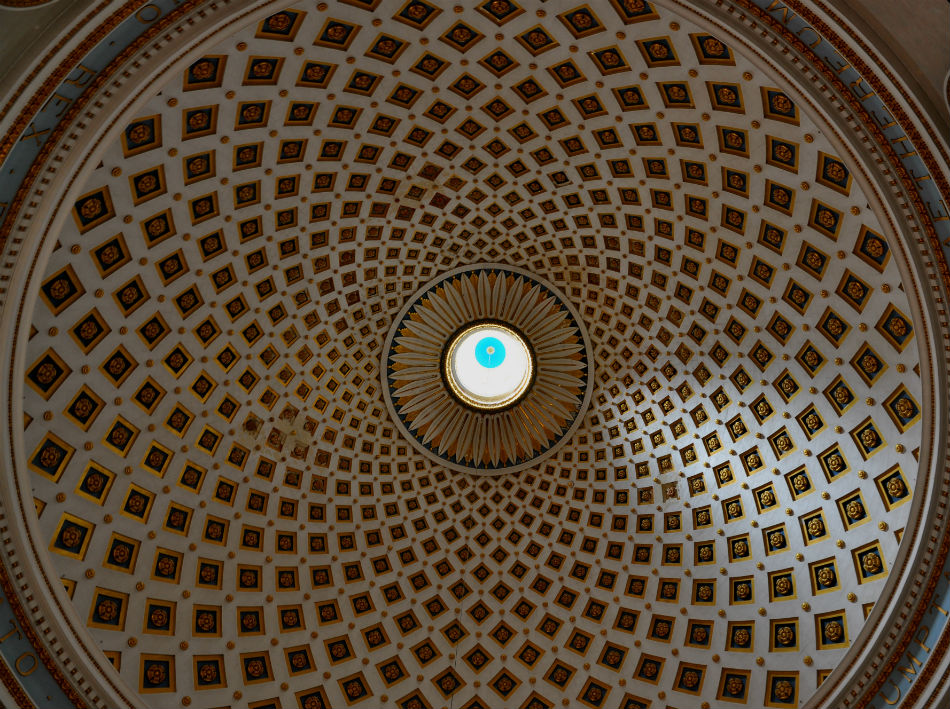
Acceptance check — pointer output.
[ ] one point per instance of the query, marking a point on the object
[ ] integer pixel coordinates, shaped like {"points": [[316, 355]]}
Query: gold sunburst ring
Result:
{"points": [[487, 369]]}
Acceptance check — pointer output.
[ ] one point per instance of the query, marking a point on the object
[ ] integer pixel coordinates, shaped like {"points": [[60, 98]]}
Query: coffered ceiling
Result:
{"points": [[235, 514]]}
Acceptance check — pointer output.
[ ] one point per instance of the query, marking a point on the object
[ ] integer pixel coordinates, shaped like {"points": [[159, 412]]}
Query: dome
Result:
{"points": [[499, 354]]}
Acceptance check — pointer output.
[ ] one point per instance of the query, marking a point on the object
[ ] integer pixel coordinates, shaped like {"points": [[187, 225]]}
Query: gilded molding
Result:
{"points": [[40, 96], [15, 689], [835, 39], [24, 3], [882, 91]]}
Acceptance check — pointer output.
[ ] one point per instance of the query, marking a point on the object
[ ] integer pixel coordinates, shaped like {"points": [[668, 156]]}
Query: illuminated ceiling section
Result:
{"points": [[234, 511]]}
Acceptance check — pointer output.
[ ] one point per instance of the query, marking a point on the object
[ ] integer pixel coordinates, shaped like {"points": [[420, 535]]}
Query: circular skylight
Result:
{"points": [[486, 369], [488, 366]]}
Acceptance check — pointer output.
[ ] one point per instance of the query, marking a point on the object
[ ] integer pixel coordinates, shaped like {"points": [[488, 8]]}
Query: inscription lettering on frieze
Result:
{"points": [[40, 127], [936, 205], [18, 657]]}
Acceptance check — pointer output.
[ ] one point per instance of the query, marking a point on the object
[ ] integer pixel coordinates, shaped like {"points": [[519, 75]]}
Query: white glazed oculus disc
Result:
{"points": [[488, 366]]}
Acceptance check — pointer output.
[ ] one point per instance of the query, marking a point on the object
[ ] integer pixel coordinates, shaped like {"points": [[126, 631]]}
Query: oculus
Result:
{"points": [[488, 366], [487, 369]]}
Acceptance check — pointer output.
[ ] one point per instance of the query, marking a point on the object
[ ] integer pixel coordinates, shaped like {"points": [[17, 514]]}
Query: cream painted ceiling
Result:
{"points": [[230, 505]]}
